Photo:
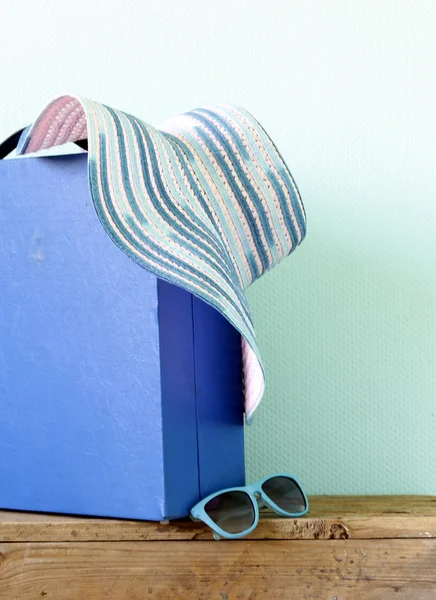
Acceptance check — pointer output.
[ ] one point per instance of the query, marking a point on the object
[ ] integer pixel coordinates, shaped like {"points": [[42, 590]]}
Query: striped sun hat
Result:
{"points": [[205, 202]]}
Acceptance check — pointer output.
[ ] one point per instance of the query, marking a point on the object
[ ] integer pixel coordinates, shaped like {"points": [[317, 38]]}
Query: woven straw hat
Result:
{"points": [[205, 202]]}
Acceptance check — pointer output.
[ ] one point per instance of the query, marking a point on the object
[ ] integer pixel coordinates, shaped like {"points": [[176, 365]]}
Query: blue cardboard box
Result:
{"points": [[120, 394]]}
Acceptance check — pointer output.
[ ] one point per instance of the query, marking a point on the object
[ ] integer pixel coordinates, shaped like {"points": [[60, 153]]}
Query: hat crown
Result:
{"points": [[246, 181]]}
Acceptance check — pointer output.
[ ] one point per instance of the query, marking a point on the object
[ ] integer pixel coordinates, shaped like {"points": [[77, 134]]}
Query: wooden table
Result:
{"points": [[346, 548]]}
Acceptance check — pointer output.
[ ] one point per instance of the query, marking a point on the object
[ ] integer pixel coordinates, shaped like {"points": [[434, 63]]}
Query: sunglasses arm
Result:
{"points": [[216, 536], [195, 519]]}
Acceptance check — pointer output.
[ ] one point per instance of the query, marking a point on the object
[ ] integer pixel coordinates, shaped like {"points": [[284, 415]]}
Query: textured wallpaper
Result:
{"points": [[347, 326]]}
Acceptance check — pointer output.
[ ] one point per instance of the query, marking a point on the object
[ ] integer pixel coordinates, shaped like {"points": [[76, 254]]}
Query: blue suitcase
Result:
{"points": [[120, 394]]}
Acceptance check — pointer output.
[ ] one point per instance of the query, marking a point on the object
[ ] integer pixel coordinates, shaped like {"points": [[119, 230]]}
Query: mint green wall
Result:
{"points": [[347, 89], [348, 336], [347, 325]]}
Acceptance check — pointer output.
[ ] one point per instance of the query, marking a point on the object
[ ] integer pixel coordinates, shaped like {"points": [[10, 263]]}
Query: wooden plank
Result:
{"points": [[330, 517], [333, 570]]}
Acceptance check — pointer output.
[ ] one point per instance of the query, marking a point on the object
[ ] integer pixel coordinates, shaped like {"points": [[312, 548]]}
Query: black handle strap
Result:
{"points": [[11, 143]]}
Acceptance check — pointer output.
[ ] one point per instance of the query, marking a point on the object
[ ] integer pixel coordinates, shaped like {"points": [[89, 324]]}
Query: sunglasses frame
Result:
{"points": [[198, 512]]}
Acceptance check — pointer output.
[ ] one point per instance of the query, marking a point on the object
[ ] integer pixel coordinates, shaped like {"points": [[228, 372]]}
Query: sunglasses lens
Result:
{"points": [[233, 512], [285, 493]]}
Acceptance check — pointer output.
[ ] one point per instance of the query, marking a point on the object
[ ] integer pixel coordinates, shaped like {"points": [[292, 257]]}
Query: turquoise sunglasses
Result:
{"points": [[234, 512]]}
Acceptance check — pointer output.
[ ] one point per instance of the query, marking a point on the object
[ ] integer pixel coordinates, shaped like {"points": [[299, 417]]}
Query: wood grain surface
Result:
{"points": [[330, 517], [347, 548], [333, 570]]}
